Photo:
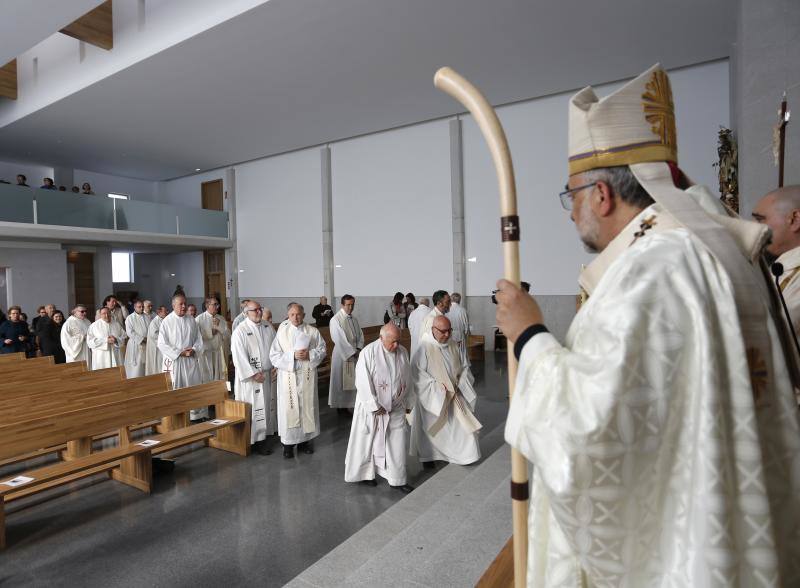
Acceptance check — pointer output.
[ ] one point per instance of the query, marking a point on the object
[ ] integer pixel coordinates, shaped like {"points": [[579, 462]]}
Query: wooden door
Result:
{"points": [[83, 268], [214, 263], [212, 195]]}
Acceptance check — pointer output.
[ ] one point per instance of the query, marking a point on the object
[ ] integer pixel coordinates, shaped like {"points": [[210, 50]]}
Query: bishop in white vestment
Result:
{"points": [[154, 363], [136, 349], [180, 343], [663, 433], [216, 342], [348, 340], [250, 346], [104, 338], [297, 350], [73, 336], [378, 432], [443, 423]]}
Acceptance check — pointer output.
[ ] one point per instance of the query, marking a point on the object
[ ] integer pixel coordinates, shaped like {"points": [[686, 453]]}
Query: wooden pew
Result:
{"points": [[475, 345], [130, 463], [9, 357]]}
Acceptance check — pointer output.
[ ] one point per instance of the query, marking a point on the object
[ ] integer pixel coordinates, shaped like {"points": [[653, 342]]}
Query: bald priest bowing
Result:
{"points": [[378, 432], [297, 351], [443, 426], [348, 340], [663, 432], [180, 342], [250, 345]]}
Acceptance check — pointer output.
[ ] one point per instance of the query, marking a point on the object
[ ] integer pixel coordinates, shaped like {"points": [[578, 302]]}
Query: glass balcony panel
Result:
{"points": [[74, 210], [17, 204], [205, 223], [146, 217]]}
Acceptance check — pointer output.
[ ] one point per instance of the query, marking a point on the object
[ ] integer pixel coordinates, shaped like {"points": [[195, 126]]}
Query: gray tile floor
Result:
{"points": [[218, 519]]}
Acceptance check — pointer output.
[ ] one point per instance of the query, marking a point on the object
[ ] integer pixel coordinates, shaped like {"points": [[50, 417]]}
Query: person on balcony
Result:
{"points": [[22, 180], [48, 184], [86, 188]]}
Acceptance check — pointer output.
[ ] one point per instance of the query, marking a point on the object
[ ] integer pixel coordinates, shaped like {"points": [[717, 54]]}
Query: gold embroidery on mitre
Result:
{"points": [[659, 110], [759, 375]]}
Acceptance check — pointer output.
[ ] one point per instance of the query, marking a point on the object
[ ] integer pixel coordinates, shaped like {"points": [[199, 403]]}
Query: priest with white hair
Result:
{"points": [[136, 350], [147, 310], [348, 340], [242, 315], [378, 432], [104, 338], [459, 321], [297, 351], [216, 342], [250, 345], [73, 336], [663, 430], [415, 320], [154, 363], [180, 343], [443, 423]]}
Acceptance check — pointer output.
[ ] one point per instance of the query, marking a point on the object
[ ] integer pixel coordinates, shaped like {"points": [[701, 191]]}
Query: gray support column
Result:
{"points": [[457, 200], [327, 225], [232, 254]]}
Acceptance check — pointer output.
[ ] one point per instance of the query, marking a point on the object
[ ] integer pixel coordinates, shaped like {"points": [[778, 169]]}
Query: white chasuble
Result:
{"points": [[415, 320], [154, 362], [176, 334], [664, 432], [378, 442], [73, 340], [135, 350], [443, 424], [347, 338], [250, 346], [105, 354], [216, 346], [298, 405]]}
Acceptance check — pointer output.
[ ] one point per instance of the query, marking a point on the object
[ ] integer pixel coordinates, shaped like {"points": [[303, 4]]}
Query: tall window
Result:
{"points": [[121, 267]]}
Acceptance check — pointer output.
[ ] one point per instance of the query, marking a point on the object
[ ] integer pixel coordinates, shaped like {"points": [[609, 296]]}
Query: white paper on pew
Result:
{"points": [[18, 481], [148, 442], [301, 341], [218, 422]]}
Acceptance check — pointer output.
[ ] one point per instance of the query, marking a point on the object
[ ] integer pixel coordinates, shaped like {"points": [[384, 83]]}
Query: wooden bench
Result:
{"points": [[130, 462], [475, 345], [9, 357]]}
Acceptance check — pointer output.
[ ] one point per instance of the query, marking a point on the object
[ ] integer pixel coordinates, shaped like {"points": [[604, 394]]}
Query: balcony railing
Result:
{"points": [[51, 207]]}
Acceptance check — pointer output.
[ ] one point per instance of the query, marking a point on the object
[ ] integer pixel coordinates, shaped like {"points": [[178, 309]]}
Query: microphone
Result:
{"points": [[777, 271]]}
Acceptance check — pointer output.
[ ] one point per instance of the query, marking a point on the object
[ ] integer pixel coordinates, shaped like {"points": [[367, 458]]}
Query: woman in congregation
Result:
{"points": [[14, 332], [396, 312], [50, 338], [411, 304], [86, 188]]}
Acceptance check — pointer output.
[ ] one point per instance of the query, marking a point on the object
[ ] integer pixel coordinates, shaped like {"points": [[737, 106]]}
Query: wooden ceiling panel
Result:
{"points": [[95, 27]]}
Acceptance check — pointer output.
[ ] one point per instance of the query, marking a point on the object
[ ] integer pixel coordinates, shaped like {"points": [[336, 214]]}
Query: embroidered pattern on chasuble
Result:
{"points": [[759, 375], [659, 109]]}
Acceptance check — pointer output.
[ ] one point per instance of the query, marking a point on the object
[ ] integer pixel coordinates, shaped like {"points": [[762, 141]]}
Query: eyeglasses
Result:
{"points": [[254, 310], [567, 195], [443, 330]]}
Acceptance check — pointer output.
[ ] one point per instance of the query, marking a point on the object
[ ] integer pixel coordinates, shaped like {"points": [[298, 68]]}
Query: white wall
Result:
{"points": [[279, 226], [102, 184], [153, 277], [391, 212], [550, 253], [38, 275], [187, 191], [34, 172]]}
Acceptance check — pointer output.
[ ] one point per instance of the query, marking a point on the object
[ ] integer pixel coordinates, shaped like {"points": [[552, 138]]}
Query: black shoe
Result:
{"points": [[288, 451], [262, 448], [429, 465], [306, 447], [405, 488], [372, 483], [162, 466]]}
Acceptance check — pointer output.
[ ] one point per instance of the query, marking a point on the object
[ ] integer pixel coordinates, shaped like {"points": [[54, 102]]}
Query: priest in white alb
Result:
{"points": [[441, 306], [663, 432], [154, 363], [147, 309], [73, 336], [250, 346], [216, 342], [378, 432], [457, 315], [348, 340], [104, 338], [443, 423], [180, 343], [297, 351], [415, 320], [136, 349]]}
